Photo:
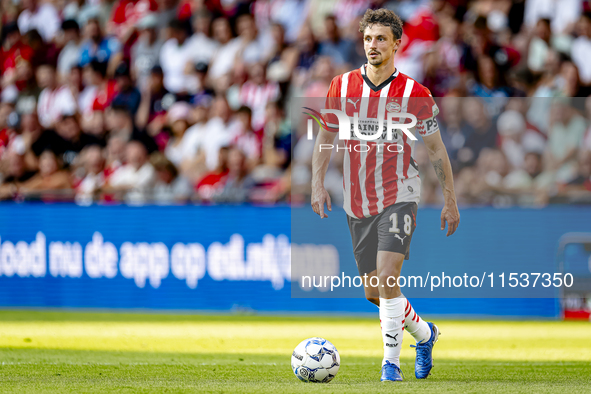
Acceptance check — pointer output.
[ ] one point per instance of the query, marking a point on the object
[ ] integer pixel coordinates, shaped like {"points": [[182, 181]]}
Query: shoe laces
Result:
{"points": [[388, 364], [422, 351]]}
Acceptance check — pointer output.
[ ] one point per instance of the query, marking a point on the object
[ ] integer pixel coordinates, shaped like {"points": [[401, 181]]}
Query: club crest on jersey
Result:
{"points": [[393, 107]]}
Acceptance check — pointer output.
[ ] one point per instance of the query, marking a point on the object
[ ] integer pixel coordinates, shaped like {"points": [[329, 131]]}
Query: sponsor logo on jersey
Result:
{"points": [[353, 102], [428, 126]]}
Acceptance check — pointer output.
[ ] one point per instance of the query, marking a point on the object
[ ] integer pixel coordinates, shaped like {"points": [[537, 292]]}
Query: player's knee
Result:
{"points": [[383, 277], [373, 299]]}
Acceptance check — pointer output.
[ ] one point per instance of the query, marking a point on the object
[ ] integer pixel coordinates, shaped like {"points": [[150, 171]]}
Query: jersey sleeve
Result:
{"points": [[333, 101], [422, 103], [425, 109]]}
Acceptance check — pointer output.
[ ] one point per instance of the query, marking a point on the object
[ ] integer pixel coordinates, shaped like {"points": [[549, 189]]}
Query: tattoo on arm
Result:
{"points": [[438, 166]]}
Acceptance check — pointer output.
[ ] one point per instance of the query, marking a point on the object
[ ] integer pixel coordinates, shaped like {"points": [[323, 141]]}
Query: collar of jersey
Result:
{"points": [[380, 86]]}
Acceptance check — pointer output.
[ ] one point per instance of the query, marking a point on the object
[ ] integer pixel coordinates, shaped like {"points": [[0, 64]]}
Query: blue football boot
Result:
{"points": [[424, 360], [391, 373]]}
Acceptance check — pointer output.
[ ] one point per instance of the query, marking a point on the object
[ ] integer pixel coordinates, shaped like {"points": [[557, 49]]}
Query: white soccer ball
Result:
{"points": [[315, 360]]}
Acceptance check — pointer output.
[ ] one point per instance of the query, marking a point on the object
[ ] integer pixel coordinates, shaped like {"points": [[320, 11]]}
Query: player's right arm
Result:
{"points": [[320, 161], [321, 157]]}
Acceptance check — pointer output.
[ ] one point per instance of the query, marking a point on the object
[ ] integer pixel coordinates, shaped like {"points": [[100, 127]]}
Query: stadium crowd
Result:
{"points": [[175, 101]]}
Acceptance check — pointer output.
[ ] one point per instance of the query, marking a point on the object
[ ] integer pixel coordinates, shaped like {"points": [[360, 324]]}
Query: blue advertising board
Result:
{"points": [[224, 258]]}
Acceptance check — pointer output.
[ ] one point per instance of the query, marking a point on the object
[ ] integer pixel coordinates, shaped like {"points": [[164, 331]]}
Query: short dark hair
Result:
{"points": [[382, 17], [98, 67], [70, 24], [245, 110], [122, 109], [180, 25]]}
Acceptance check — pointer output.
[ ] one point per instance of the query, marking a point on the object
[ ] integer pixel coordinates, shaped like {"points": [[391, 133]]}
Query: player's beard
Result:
{"points": [[375, 61]]}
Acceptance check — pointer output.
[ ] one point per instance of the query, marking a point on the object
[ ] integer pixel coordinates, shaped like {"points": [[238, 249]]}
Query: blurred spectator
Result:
{"points": [[69, 56], [539, 45], [16, 175], [94, 179], [228, 48], [202, 46], [453, 127], [120, 123], [67, 141], [339, 49], [481, 132], [96, 46], [248, 141], [567, 129], [581, 50], [54, 101], [51, 178], [6, 109], [30, 132], [174, 57], [525, 177], [219, 131], [485, 56], [156, 100], [307, 47], [43, 52], [238, 184], [213, 181], [153, 102], [490, 83], [170, 187], [133, 181], [562, 13], [257, 92], [14, 52], [276, 137], [41, 17], [177, 148], [516, 139], [145, 53], [282, 58], [115, 155], [442, 63], [582, 182], [126, 14], [127, 95], [167, 11], [204, 94], [95, 82], [587, 138], [28, 97], [254, 45]]}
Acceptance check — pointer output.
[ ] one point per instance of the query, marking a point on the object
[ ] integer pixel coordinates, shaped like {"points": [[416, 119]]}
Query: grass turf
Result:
{"points": [[90, 352]]}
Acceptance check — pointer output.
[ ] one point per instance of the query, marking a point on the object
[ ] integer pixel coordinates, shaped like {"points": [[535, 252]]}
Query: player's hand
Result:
{"points": [[451, 215], [319, 197]]}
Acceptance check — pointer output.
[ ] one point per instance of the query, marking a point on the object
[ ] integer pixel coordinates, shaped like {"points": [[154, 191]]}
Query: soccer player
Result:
{"points": [[382, 185]]}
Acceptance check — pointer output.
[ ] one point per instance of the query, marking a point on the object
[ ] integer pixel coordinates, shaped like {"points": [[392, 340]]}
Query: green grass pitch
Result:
{"points": [[70, 352]]}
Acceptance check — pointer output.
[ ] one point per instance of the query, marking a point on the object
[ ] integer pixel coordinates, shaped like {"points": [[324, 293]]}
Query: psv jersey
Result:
{"points": [[382, 172]]}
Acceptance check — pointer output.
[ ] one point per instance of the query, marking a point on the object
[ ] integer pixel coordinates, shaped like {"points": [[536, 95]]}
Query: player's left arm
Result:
{"points": [[440, 160]]}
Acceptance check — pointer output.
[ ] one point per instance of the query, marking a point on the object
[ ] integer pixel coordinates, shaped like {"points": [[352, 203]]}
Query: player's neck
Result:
{"points": [[378, 74]]}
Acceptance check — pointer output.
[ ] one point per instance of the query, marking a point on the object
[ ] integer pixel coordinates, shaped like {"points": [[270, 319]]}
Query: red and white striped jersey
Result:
{"points": [[375, 174]]}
